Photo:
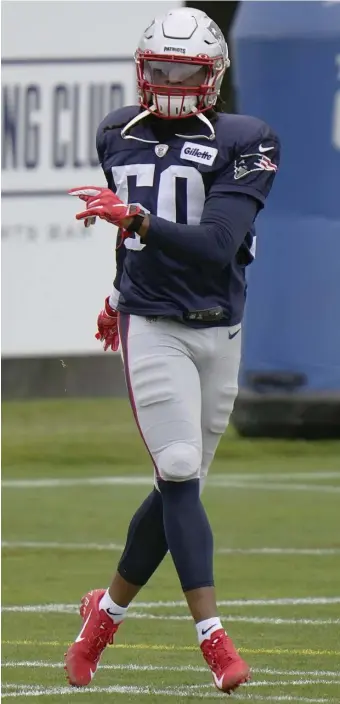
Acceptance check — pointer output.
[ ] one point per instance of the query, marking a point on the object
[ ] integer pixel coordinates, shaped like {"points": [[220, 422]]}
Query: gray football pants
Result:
{"points": [[182, 385]]}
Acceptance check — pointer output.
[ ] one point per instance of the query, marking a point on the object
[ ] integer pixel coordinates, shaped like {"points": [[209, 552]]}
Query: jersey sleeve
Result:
{"points": [[101, 147], [120, 250], [225, 222], [253, 169]]}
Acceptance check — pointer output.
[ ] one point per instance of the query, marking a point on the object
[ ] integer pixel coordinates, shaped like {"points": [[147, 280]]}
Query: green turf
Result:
{"points": [[74, 439]]}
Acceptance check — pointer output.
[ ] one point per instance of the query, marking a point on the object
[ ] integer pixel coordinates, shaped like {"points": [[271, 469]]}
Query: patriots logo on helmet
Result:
{"points": [[215, 30]]}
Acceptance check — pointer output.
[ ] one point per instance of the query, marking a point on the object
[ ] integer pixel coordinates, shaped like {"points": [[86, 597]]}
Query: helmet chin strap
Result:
{"points": [[201, 116], [133, 122], [151, 109]]}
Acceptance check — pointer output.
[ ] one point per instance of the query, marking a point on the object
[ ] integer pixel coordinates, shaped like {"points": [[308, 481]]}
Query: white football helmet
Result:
{"points": [[181, 60]]}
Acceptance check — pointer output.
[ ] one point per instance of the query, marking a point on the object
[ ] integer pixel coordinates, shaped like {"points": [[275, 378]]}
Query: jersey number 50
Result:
{"points": [[167, 191]]}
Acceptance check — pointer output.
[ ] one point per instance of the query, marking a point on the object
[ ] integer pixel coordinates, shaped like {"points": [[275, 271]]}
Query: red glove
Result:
{"points": [[103, 203], [107, 324]]}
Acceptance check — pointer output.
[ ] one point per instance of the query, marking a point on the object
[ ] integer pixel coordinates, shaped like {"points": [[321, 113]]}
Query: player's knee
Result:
{"points": [[179, 462]]}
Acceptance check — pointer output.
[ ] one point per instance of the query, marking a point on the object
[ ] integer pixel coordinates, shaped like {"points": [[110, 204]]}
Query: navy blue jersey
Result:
{"points": [[203, 196]]}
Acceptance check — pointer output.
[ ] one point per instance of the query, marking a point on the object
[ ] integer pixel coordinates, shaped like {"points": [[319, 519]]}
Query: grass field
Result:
{"points": [[73, 473]]}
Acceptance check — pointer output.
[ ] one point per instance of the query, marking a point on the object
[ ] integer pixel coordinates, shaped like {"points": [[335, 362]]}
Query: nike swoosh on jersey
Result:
{"points": [[262, 149], [79, 638]]}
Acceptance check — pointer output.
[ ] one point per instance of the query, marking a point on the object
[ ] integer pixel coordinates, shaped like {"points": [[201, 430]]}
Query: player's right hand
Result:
{"points": [[107, 324]]}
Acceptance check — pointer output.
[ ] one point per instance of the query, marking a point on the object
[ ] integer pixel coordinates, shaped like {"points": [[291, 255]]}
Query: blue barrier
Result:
{"points": [[287, 72]]}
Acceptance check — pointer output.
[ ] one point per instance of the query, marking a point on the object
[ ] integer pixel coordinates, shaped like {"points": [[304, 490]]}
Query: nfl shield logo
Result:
{"points": [[161, 149]]}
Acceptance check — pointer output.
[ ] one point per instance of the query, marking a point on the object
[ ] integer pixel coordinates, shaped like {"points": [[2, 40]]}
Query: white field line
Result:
{"points": [[259, 683], [290, 601], [54, 545], [38, 691], [243, 619], [131, 667], [262, 482], [52, 483], [319, 488], [279, 551], [74, 609], [292, 683], [138, 480], [272, 476]]}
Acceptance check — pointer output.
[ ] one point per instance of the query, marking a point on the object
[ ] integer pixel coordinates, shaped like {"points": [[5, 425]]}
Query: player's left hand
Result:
{"points": [[107, 325], [104, 204]]}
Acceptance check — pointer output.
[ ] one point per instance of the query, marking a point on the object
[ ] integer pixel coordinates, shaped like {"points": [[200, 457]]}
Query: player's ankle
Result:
{"points": [[207, 627], [116, 612]]}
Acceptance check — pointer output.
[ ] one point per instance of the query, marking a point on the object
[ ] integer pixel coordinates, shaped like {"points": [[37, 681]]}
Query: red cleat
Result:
{"points": [[82, 657], [227, 667]]}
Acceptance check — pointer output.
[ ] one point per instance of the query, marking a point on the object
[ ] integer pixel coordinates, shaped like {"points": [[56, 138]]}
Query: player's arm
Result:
{"points": [[120, 250], [107, 321], [225, 222], [234, 200]]}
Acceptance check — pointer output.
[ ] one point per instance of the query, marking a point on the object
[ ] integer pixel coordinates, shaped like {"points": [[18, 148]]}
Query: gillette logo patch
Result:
{"points": [[198, 153]]}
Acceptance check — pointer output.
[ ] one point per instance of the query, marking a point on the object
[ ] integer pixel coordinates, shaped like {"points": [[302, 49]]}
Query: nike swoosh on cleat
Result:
{"points": [[79, 638], [218, 682]]}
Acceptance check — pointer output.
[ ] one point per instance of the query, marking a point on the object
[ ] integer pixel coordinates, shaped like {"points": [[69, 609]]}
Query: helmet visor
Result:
{"points": [[174, 72]]}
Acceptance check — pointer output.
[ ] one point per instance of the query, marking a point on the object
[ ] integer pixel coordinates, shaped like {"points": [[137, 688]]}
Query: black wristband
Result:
{"points": [[136, 223]]}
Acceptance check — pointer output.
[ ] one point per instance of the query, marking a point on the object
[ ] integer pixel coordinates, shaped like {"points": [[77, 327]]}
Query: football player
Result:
{"points": [[185, 183]]}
